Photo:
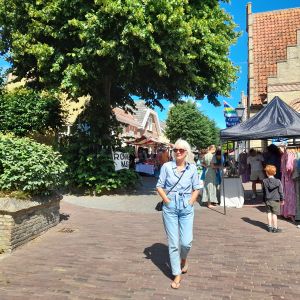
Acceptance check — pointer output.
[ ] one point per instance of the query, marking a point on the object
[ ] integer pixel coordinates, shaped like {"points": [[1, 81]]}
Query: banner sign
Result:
{"points": [[232, 121], [230, 114], [121, 160], [280, 141]]}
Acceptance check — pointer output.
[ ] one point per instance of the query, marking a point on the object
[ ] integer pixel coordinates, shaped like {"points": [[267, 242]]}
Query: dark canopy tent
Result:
{"points": [[277, 119]]}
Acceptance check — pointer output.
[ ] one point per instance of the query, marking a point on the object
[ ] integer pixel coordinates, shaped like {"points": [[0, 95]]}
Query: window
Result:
{"points": [[149, 124]]}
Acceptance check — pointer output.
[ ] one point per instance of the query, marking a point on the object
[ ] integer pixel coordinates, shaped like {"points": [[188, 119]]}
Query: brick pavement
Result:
{"points": [[116, 255], [102, 254]]}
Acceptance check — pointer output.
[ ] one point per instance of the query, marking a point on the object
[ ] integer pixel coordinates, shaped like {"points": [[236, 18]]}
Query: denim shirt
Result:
{"points": [[181, 193]]}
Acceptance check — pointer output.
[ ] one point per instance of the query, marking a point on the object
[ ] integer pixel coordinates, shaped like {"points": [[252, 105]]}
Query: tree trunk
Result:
{"points": [[100, 112]]}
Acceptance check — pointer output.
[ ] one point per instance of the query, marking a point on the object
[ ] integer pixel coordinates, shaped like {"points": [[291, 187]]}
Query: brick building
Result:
{"points": [[273, 58]]}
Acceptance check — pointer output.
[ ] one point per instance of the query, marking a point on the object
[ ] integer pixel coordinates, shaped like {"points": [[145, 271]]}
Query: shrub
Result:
{"points": [[24, 111], [28, 166], [92, 168]]}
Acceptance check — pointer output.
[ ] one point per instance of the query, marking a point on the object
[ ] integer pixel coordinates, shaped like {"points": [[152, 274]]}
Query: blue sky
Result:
{"points": [[237, 8], [238, 54]]}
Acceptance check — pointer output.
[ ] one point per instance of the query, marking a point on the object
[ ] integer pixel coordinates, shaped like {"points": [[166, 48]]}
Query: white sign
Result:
{"points": [[121, 160]]}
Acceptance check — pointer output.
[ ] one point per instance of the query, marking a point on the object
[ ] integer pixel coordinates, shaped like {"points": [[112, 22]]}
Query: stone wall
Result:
{"points": [[22, 221]]}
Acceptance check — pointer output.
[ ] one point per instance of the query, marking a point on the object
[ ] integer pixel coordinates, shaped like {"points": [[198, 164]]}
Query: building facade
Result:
{"points": [[273, 58]]}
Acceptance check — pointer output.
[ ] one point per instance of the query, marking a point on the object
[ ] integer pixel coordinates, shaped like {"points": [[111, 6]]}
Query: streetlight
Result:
{"points": [[240, 110]]}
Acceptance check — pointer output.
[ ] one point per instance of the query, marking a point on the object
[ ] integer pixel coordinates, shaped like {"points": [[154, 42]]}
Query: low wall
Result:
{"points": [[23, 220]]}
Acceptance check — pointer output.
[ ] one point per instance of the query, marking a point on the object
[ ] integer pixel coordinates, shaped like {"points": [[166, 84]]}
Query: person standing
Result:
{"points": [[273, 197], [178, 186], [210, 181], [273, 157], [255, 161]]}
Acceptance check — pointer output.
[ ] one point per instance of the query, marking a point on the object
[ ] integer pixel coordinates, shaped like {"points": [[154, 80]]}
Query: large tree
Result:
{"points": [[112, 49], [187, 122]]}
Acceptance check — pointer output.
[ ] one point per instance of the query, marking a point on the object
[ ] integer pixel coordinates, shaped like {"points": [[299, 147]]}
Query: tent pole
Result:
{"points": [[222, 181]]}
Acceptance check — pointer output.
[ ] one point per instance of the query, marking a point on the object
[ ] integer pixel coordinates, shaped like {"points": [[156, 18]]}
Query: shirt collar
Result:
{"points": [[187, 165]]}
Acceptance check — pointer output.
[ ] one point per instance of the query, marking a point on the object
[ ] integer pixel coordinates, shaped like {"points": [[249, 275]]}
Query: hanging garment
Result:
{"points": [[296, 177], [288, 210]]}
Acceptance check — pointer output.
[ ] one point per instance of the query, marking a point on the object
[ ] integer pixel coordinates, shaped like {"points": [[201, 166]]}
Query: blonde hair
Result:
{"points": [[180, 143], [211, 147]]}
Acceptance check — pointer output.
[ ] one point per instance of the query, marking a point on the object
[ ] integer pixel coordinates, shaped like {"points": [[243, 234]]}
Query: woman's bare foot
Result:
{"points": [[175, 284]]}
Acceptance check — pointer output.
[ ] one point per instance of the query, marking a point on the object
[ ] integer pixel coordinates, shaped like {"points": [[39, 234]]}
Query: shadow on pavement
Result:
{"points": [[147, 186], [255, 223], [63, 217], [159, 255]]}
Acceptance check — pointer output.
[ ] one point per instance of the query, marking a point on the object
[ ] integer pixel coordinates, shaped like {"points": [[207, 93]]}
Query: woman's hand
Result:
{"points": [[191, 202]]}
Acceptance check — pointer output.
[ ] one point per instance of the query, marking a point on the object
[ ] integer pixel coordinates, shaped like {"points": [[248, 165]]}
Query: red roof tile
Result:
{"points": [[272, 33], [125, 117]]}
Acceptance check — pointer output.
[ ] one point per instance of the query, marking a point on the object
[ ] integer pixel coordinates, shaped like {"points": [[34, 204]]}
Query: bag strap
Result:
{"points": [[176, 182]]}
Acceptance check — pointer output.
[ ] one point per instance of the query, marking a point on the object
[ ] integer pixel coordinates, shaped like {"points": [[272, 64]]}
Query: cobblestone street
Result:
{"points": [[109, 254]]}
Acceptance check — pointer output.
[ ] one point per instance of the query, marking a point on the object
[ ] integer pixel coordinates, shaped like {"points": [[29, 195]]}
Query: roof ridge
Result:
{"points": [[276, 11]]}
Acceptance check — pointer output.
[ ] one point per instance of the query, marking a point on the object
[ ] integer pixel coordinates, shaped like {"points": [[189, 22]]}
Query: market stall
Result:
{"points": [[146, 154], [276, 120]]}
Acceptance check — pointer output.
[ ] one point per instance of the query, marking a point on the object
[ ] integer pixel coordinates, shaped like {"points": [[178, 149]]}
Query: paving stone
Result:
{"points": [[119, 254]]}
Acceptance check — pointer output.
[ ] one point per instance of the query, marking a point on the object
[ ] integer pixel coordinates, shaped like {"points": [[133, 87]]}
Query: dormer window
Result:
{"points": [[150, 124]]}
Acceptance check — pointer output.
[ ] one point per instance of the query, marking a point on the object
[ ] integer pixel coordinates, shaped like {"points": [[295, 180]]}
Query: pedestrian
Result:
{"points": [[178, 186], [273, 197], [210, 181], [273, 157], [218, 163], [255, 161]]}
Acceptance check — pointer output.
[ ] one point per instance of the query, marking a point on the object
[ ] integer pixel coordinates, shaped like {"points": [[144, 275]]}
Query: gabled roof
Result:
{"points": [[277, 119], [142, 114], [124, 117], [273, 32]]}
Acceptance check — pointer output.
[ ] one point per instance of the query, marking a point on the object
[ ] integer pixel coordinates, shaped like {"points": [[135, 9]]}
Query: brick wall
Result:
{"points": [[21, 226]]}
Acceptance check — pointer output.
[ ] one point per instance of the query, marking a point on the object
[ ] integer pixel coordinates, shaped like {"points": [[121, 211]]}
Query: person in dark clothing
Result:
{"points": [[273, 157], [273, 197]]}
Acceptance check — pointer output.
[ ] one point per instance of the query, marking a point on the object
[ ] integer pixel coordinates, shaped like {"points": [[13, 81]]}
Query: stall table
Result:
{"points": [[144, 168], [234, 196]]}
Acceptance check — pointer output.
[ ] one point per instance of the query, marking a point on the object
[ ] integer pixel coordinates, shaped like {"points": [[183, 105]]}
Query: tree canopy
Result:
{"points": [[187, 122], [24, 111], [110, 50]]}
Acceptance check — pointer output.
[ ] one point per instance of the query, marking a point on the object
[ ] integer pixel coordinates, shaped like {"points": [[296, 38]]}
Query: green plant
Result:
{"points": [[113, 49], [21, 195], [29, 166], [187, 122], [92, 168], [24, 111]]}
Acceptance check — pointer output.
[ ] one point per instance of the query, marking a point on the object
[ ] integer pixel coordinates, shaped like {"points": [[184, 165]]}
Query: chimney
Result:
{"points": [[248, 14]]}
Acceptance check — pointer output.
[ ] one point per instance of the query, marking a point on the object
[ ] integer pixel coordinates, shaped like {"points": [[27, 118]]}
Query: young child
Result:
{"points": [[273, 197]]}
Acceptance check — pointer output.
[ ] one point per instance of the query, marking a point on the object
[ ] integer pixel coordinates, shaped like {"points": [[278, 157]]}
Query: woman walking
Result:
{"points": [[210, 182], [178, 186]]}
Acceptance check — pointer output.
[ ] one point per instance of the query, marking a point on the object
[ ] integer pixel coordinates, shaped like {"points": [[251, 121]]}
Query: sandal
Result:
{"points": [[175, 285]]}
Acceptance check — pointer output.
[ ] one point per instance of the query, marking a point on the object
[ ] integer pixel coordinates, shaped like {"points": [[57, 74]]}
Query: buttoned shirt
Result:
{"points": [[189, 182]]}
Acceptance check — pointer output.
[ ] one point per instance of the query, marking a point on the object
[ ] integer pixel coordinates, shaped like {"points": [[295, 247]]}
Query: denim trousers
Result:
{"points": [[178, 218]]}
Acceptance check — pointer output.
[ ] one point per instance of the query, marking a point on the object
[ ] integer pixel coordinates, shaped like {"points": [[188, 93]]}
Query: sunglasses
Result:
{"points": [[181, 151]]}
